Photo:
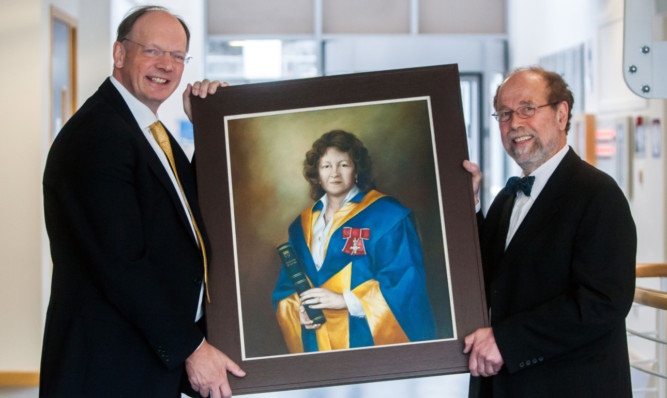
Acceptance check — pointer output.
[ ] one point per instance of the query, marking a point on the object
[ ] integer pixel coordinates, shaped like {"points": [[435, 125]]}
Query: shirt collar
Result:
{"points": [[142, 114], [544, 172], [351, 194]]}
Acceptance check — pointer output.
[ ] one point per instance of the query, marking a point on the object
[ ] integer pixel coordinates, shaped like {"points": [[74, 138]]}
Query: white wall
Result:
{"points": [[538, 28]]}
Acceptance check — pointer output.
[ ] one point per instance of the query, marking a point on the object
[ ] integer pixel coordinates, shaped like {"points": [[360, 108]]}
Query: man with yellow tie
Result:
{"points": [[127, 240]]}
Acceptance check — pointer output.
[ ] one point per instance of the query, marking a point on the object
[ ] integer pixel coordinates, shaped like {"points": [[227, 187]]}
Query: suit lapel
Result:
{"points": [[112, 95], [546, 206], [503, 227]]}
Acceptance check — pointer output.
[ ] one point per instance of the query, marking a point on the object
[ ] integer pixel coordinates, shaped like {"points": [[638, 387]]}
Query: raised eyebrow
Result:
{"points": [[503, 108]]}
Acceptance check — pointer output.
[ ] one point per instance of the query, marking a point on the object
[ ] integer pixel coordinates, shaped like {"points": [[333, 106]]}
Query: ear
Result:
{"points": [[562, 112], [119, 53]]}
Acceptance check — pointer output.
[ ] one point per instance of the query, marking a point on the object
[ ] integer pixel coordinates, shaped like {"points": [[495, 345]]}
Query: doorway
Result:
{"points": [[63, 69]]}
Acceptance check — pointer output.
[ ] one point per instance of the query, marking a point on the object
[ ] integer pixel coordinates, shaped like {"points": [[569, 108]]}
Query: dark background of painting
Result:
{"points": [[266, 155]]}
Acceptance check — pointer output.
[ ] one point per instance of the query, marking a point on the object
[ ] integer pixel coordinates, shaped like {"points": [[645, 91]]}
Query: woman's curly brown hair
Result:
{"points": [[344, 142]]}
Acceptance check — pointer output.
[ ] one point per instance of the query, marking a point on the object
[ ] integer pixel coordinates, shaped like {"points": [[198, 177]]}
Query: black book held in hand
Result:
{"points": [[297, 274]]}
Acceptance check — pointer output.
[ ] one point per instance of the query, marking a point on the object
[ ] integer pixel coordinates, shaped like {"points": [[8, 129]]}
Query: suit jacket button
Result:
{"points": [[521, 364], [534, 361], [540, 359]]}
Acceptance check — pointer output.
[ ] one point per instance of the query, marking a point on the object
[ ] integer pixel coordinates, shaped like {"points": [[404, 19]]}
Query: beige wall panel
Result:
{"points": [[20, 175], [232, 17], [365, 17], [462, 17]]}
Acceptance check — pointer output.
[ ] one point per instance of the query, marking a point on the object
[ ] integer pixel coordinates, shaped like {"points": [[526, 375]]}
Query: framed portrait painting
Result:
{"points": [[395, 272]]}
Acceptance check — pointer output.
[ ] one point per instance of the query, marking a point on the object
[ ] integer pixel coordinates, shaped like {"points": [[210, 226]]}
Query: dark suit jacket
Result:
{"points": [[127, 270], [561, 291]]}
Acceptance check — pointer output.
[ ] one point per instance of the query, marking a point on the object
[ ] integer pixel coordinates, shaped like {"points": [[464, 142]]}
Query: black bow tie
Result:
{"points": [[516, 184]]}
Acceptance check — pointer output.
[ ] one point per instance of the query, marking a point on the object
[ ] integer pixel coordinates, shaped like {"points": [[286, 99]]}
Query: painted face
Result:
{"points": [[337, 174], [151, 79], [532, 141]]}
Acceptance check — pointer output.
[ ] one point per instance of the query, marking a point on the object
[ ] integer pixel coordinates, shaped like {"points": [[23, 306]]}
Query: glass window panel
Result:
{"points": [[60, 75], [250, 61]]}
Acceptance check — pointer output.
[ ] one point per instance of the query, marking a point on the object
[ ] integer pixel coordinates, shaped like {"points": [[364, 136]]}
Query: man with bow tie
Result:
{"points": [[558, 249]]}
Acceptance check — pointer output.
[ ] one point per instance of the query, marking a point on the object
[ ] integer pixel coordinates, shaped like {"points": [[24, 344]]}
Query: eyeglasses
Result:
{"points": [[524, 112], [155, 52]]}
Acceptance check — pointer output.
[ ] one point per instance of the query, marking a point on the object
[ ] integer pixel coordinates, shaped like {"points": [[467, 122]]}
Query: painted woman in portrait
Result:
{"points": [[362, 257]]}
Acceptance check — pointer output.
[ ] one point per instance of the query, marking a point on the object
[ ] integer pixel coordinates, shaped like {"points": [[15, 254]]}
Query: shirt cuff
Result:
{"points": [[354, 306], [200, 344]]}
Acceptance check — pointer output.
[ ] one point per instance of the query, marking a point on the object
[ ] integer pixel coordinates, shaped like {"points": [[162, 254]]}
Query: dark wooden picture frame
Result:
{"points": [[411, 121]]}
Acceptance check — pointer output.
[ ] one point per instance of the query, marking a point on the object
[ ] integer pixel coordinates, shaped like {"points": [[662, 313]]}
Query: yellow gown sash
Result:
{"points": [[334, 334]]}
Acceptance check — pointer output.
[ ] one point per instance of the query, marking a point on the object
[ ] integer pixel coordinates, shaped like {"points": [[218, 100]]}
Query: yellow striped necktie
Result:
{"points": [[162, 139]]}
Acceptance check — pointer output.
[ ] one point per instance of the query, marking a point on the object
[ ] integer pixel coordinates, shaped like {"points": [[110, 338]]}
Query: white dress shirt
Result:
{"points": [[320, 233], [523, 203]]}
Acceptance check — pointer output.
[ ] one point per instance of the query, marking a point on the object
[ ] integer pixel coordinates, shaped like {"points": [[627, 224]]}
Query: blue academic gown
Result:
{"points": [[373, 251]]}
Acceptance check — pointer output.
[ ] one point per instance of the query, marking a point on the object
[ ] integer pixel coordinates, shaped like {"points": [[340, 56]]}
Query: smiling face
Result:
{"points": [[337, 173], [150, 80], [533, 141]]}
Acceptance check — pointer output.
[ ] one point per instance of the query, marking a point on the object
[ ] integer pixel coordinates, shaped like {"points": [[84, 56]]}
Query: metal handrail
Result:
{"points": [[651, 372], [646, 336]]}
